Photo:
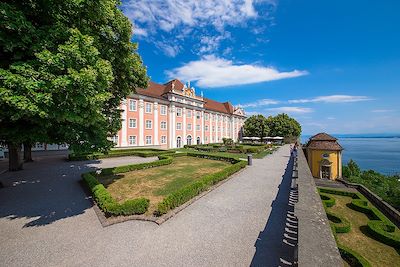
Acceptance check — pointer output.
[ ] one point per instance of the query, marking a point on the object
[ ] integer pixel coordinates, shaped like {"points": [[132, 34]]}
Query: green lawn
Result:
{"points": [[377, 253], [226, 154], [155, 183]]}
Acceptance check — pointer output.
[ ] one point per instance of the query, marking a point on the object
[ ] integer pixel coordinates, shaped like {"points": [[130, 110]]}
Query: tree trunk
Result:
{"points": [[14, 157], [28, 152]]}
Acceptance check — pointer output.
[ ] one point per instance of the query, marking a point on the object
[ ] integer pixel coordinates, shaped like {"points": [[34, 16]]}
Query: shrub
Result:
{"points": [[120, 153], [327, 200], [108, 205], [340, 224], [352, 257], [186, 193]]}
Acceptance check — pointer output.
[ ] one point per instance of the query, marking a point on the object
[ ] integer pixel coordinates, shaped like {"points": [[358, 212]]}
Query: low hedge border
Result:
{"points": [[352, 257], [104, 199], [379, 227], [339, 223], [327, 200], [188, 192], [119, 153]]}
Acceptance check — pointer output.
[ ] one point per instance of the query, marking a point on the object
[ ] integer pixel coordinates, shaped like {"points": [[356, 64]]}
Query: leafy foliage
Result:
{"points": [[283, 125], [65, 66], [385, 186], [256, 126]]}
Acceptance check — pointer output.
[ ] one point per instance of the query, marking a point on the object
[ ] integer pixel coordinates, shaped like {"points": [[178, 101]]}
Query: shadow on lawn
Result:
{"points": [[47, 190], [276, 244]]}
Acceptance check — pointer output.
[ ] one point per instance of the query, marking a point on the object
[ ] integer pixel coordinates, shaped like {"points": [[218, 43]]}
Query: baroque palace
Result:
{"points": [[171, 115]]}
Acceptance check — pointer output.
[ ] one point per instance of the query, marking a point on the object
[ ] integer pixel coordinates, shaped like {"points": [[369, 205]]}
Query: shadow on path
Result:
{"points": [[276, 244]]}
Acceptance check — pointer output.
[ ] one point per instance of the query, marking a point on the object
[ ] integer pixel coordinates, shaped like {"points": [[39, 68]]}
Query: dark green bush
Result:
{"points": [[108, 205], [353, 258], [328, 201], [340, 224], [119, 153], [186, 193], [384, 233]]}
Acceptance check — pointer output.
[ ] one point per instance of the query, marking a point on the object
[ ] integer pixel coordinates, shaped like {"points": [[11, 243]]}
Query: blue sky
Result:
{"points": [[333, 65]]}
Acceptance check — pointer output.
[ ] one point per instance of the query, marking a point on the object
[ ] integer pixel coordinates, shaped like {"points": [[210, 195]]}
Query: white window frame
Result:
{"points": [[206, 128], [206, 116], [130, 126], [189, 113], [147, 138], [115, 139], [189, 127], [130, 105], [163, 109], [161, 125], [180, 126], [198, 115], [151, 124], [165, 139], [147, 104], [130, 138], [198, 127], [205, 138], [179, 112]]}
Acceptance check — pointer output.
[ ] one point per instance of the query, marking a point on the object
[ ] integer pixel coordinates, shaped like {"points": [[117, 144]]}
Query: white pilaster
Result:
{"points": [[141, 122], [233, 128], [202, 127], [124, 130], [173, 126], [216, 128], [184, 141], [194, 128], [226, 126], [210, 128], [155, 124]]}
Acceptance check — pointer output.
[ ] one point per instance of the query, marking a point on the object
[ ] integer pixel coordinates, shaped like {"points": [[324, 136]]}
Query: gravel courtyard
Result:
{"points": [[46, 219]]}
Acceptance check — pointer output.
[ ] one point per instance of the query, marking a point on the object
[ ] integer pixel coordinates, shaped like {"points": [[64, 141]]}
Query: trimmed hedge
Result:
{"points": [[352, 257], [186, 193], [327, 200], [119, 153], [340, 224], [379, 227], [108, 205], [163, 160]]}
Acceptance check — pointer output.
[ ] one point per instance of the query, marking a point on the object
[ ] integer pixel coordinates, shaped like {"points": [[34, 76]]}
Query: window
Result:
{"points": [[179, 126], [179, 112], [148, 139], [132, 140], [206, 116], [114, 139], [39, 145], [148, 108], [213, 128], [163, 110], [132, 123], [189, 126], [163, 139], [198, 127], [197, 115], [206, 128], [149, 124], [189, 113], [132, 105], [163, 125], [219, 128], [214, 117], [206, 138]]}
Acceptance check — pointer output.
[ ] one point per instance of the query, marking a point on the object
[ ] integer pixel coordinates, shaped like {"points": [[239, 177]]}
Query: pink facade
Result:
{"points": [[172, 115]]}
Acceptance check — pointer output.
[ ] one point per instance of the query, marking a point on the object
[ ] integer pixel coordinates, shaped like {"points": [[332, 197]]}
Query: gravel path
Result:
{"points": [[47, 220]]}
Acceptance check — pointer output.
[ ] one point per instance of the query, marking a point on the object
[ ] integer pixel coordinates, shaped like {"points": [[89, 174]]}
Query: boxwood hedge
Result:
{"points": [[186, 193], [119, 153], [352, 257]]}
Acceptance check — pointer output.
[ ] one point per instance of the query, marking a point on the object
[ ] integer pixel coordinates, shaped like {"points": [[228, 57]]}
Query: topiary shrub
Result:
{"points": [[352, 257], [328, 201]]}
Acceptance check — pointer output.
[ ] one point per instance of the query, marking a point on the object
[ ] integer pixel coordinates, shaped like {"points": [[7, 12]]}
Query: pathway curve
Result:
{"points": [[46, 220]]}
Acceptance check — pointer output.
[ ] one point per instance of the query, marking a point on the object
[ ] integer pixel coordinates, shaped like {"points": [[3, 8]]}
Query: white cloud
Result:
{"points": [[290, 110], [170, 50], [211, 71], [208, 18], [381, 110], [259, 103], [332, 99]]}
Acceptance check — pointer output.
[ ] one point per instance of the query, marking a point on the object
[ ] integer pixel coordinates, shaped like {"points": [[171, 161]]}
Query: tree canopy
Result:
{"points": [[256, 126], [283, 125], [65, 66]]}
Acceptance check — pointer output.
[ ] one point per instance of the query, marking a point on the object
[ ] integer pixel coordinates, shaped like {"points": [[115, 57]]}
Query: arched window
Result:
{"points": [[189, 140], [198, 140], [178, 142]]}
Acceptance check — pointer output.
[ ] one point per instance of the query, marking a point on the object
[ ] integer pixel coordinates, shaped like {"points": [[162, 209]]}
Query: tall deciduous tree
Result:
{"points": [[256, 126], [65, 66], [283, 125]]}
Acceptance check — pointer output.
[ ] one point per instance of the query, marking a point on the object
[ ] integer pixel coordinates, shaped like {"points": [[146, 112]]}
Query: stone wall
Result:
{"points": [[316, 244]]}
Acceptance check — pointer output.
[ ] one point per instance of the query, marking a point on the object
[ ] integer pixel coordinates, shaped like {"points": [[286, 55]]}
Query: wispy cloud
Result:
{"points": [[290, 110], [259, 103], [381, 110], [211, 71], [193, 19], [332, 99]]}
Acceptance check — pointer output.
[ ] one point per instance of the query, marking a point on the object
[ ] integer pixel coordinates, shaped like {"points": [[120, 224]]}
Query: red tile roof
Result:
{"points": [[159, 90], [324, 141]]}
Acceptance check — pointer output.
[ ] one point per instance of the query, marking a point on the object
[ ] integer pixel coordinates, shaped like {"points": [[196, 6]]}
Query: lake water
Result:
{"points": [[379, 154]]}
